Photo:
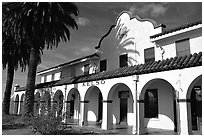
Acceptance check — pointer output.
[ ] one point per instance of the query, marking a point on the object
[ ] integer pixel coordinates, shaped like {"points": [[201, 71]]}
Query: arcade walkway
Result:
{"points": [[127, 130]]}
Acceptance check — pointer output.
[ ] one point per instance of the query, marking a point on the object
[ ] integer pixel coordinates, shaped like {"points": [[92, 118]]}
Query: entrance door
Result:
{"points": [[123, 110], [72, 108], [196, 108]]}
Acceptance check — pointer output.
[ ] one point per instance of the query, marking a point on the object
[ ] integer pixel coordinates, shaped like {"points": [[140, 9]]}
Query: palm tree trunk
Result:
{"points": [[7, 93], [30, 86]]}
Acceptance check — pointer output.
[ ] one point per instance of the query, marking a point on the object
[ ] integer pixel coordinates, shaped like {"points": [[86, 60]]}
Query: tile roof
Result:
{"points": [[177, 29], [186, 61], [40, 85], [150, 67], [73, 61]]}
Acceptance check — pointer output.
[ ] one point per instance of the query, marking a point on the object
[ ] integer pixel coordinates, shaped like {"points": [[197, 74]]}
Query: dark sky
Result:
{"points": [[94, 21]]}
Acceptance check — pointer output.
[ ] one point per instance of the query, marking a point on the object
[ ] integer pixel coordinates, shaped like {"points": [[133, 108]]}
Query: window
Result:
{"points": [[57, 76], [151, 103], [149, 54], [42, 79], [73, 71], [103, 65], [49, 78], [86, 69], [123, 60], [183, 47]]}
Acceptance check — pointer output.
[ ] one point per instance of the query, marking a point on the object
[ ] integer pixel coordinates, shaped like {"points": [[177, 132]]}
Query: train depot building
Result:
{"points": [[141, 77]]}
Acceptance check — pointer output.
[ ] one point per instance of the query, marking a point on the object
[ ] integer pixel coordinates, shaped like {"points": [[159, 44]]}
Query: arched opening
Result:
{"points": [[194, 106], [73, 106], [37, 104], [120, 108], [93, 107], [158, 107], [16, 103], [45, 103], [22, 104], [58, 103]]}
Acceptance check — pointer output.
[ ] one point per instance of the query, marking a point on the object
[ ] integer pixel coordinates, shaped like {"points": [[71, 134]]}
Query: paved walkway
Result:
{"points": [[117, 129], [123, 129]]}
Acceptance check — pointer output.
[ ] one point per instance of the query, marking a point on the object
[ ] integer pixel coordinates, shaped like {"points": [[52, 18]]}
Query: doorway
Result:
{"points": [[123, 95], [123, 110], [196, 108]]}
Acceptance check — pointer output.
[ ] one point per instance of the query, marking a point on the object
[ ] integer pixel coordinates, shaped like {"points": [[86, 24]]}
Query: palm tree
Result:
{"points": [[13, 56], [43, 25]]}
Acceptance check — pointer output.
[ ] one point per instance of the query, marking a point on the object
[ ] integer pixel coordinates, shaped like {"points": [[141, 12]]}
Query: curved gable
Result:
{"points": [[130, 35]]}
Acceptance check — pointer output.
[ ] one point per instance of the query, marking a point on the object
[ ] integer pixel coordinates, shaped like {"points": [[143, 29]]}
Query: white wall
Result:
{"points": [[169, 46], [196, 45]]}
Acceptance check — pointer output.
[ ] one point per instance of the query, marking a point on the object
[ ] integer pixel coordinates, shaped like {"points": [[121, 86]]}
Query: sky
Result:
{"points": [[95, 19]]}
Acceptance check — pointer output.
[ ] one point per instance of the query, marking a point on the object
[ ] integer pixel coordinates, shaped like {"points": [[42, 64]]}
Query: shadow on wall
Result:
{"points": [[120, 40]]}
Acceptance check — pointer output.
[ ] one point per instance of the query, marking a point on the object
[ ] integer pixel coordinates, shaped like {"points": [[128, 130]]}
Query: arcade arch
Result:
{"points": [[158, 106], [120, 106], [93, 106], [58, 103], [73, 105], [194, 105]]}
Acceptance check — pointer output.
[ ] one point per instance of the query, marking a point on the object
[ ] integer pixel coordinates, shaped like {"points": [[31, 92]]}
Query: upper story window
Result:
{"points": [[123, 60], [57, 76], [149, 54], [103, 65], [73, 71], [182, 47], [86, 69], [49, 78], [42, 79]]}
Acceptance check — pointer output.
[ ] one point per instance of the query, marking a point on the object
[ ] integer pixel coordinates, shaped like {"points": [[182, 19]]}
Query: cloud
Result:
{"points": [[150, 9], [82, 21], [59, 56]]}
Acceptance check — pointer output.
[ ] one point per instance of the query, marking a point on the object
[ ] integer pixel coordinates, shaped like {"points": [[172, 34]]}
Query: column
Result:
{"points": [[83, 111], [140, 115], [183, 117], [106, 119]]}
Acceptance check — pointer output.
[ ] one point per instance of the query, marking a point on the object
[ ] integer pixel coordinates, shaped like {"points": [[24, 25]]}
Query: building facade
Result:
{"points": [[142, 76]]}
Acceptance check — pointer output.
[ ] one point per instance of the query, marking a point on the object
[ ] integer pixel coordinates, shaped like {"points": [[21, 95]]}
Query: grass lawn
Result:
{"points": [[12, 122], [14, 125]]}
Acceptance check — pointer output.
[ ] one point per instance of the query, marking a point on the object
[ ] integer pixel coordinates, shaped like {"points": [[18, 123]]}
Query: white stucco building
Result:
{"points": [[141, 77]]}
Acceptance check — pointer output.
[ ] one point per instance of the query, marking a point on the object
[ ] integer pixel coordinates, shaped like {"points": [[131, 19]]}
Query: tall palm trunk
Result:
{"points": [[30, 86], [7, 93]]}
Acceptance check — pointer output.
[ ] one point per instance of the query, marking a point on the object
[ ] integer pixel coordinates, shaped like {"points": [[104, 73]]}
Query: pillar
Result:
{"points": [[183, 117], [141, 128], [83, 110], [106, 118]]}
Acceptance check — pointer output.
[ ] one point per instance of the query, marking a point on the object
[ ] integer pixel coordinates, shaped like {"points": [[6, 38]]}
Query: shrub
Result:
{"points": [[46, 124]]}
